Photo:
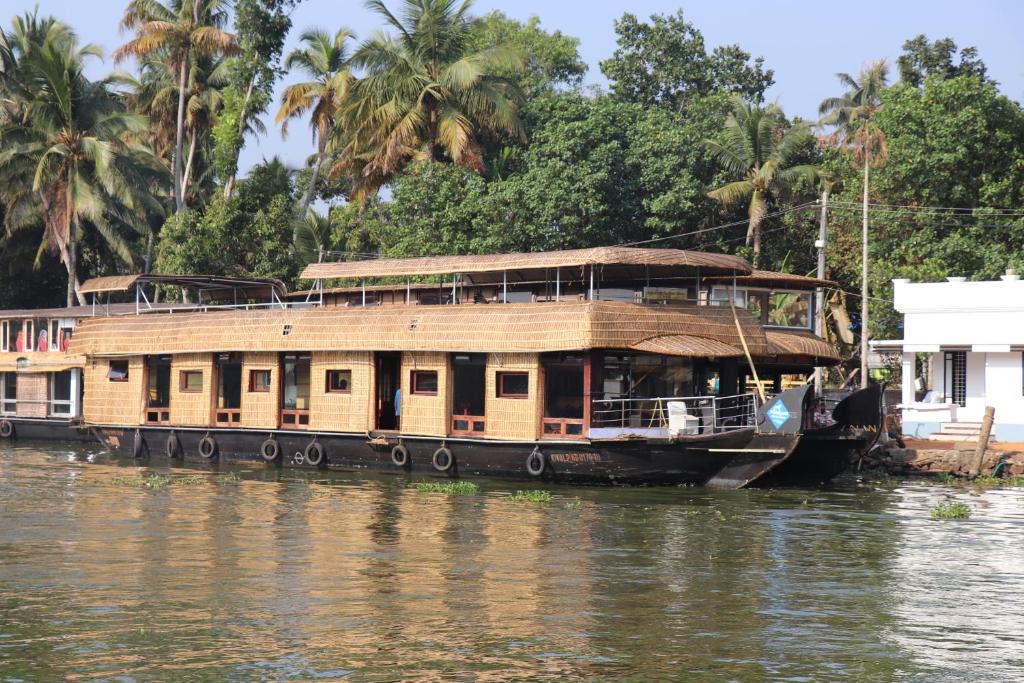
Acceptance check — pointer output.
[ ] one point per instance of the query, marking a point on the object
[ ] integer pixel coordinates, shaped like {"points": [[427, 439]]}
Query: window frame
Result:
{"points": [[328, 384], [110, 369], [183, 381], [499, 384], [253, 387], [414, 382]]}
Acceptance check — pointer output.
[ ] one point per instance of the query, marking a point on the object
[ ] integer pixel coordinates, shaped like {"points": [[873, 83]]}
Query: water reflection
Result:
{"points": [[263, 574]]}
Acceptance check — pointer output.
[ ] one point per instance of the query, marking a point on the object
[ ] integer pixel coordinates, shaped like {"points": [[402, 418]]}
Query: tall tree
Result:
{"points": [[183, 30], [326, 60], [261, 27], [69, 161], [921, 59], [853, 116], [756, 145], [666, 62], [426, 94]]}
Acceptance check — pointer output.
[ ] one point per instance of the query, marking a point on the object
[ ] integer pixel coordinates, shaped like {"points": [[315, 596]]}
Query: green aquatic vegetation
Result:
{"points": [[987, 481], [156, 481], [450, 488], [574, 503], [538, 497], [948, 478], [951, 509], [232, 476]]}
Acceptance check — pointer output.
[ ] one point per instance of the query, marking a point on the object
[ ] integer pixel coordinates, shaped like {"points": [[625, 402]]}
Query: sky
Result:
{"points": [[804, 42]]}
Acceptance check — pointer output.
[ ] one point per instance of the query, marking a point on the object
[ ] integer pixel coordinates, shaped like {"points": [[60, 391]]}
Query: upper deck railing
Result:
{"points": [[678, 414]]}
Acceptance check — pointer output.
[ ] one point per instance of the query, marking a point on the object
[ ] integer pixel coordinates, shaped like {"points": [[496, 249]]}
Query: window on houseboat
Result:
{"points": [[158, 382], [513, 385], [339, 381], [16, 336], [614, 294], [756, 304], [4, 343], [295, 382], [60, 393], [789, 309], [720, 296], [42, 332], [259, 380], [117, 371], [9, 392], [665, 295], [424, 382], [191, 381]]}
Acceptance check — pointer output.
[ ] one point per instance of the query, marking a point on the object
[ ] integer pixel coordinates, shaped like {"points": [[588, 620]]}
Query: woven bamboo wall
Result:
{"points": [[336, 411], [513, 418], [33, 392], [427, 415], [260, 408], [192, 409], [115, 403]]}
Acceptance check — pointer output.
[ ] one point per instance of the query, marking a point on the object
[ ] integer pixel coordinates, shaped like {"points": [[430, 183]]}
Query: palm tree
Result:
{"points": [[755, 145], [853, 115], [69, 160], [326, 59], [312, 236], [426, 94], [183, 30]]}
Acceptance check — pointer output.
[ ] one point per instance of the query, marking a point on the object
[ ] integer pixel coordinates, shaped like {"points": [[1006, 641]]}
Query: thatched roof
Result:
{"points": [[214, 285], [688, 346], [804, 345], [768, 278], [615, 263], [564, 326]]}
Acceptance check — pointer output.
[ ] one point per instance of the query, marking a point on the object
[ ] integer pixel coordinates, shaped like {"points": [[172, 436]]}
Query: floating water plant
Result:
{"points": [[450, 488], [156, 481], [535, 496], [951, 509]]}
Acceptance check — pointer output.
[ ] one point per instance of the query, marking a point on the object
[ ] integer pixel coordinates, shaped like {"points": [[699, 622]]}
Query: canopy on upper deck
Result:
{"points": [[774, 280], [214, 286], [615, 263]]}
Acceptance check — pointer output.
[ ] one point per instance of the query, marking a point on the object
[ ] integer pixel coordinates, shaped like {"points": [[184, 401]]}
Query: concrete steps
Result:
{"points": [[958, 432]]}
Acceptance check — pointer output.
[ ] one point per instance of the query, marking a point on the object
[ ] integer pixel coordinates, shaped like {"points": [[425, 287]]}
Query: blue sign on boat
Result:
{"points": [[778, 414]]}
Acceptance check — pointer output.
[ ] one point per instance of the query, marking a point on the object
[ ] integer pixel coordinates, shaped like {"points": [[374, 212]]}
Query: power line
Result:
{"points": [[910, 207], [719, 227]]}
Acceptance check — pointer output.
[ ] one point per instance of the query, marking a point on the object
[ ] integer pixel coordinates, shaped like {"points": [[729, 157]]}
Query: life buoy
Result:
{"points": [[6, 429], [315, 454], [536, 463], [207, 447], [139, 447], [400, 456], [270, 449], [173, 446], [443, 460]]}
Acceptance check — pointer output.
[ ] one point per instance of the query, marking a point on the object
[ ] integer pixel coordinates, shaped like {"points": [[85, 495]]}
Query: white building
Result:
{"points": [[972, 336]]}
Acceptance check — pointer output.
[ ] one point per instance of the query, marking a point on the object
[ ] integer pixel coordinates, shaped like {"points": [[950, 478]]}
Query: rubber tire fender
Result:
{"points": [[270, 450], [6, 429], [315, 454], [140, 448], [208, 447], [173, 448], [445, 454], [400, 456], [536, 463]]}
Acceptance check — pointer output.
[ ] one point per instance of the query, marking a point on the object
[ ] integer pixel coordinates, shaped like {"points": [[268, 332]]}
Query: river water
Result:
{"points": [[245, 574]]}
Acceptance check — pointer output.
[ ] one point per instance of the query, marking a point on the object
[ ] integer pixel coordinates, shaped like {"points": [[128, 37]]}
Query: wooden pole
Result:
{"points": [[864, 276], [986, 432], [819, 321]]}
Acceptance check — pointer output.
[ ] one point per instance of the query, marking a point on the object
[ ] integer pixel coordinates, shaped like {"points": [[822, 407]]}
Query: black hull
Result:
{"points": [[48, 430], [691, 460], [816, 460]]}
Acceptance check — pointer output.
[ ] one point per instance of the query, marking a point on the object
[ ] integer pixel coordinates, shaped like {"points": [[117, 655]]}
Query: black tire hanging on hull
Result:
{"points": [[6, 429], [400, 456], [315, 454], [270, 450]]}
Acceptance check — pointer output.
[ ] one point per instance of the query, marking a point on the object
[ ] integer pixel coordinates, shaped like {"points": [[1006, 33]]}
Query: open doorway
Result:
{"points": [[158, 389], [228, 408], [388, 399], [468, 370], [563, 396]]}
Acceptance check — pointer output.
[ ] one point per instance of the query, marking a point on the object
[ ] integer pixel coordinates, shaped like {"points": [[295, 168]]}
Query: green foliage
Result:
{"points": [[535, 496], [156, 481], [449, 488], [550, 59], [951, 509], [246, 234], [921, 59], [665, 62]]}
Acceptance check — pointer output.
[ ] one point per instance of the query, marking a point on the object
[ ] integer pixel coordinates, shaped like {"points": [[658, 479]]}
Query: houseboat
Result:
{"points": [[608, 365]]}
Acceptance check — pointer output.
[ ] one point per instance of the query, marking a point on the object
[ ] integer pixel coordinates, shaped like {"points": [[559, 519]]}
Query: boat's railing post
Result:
{"points": [[504, 286]]}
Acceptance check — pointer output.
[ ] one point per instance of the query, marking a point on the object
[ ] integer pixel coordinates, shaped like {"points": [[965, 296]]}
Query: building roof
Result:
{"points": [[615, 263], [561, 326], [802, 345]]}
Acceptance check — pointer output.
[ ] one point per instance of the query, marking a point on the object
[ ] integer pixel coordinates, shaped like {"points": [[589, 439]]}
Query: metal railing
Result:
{"points": [[688, 414]]}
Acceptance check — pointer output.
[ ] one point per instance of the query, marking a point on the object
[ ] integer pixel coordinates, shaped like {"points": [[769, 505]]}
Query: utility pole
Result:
{"points": [[819, 320], [864, 275]]}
